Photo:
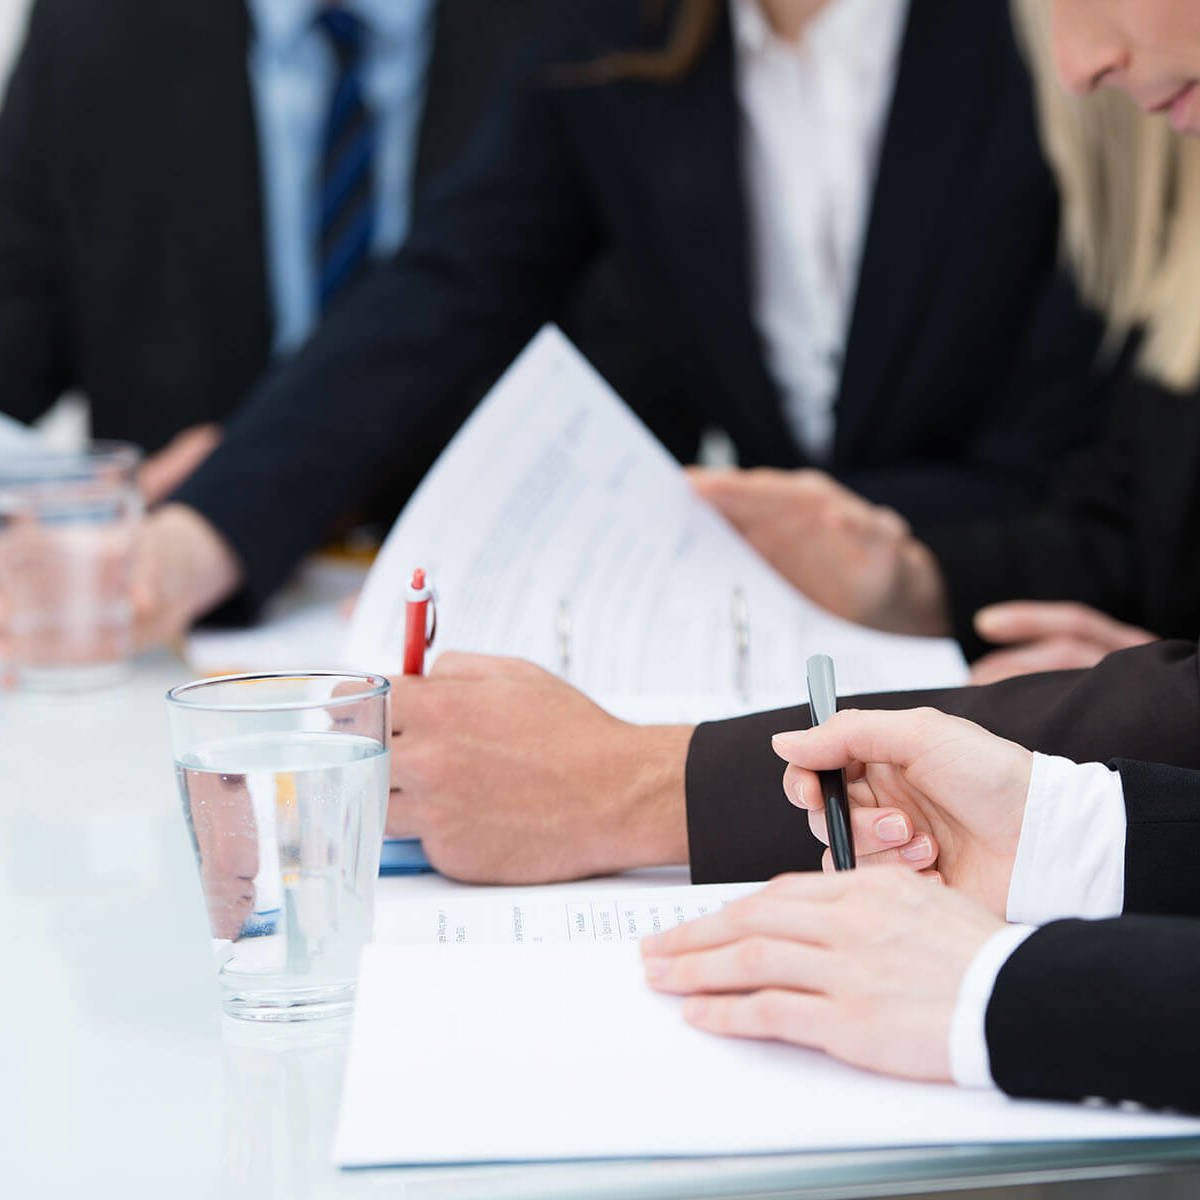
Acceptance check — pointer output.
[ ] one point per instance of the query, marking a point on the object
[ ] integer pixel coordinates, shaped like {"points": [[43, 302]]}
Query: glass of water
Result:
{"points": [[67, 529], [284, 783]]}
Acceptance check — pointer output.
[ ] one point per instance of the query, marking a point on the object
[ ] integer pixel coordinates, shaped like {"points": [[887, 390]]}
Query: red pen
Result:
{"points": [[418, 627]]}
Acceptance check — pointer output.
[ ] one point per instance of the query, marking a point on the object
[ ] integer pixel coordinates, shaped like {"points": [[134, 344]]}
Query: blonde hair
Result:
{"points": [[1130, 191]]}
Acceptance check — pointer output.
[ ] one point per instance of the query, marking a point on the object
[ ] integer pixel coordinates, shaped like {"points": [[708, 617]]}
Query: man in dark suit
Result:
{"points": [[187, 190], [964, 370]]}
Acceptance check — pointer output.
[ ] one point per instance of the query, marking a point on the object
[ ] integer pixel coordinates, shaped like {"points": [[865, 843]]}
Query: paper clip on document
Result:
{"points": [[740, 611]]}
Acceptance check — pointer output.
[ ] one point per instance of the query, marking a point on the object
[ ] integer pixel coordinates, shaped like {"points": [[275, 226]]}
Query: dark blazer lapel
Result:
{"points": [[942, 95], [209, 142], [690, 143]]}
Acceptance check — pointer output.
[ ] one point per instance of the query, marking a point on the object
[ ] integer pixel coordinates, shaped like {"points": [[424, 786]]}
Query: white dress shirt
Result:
{"points": [[1070, 863], [814, 115]]}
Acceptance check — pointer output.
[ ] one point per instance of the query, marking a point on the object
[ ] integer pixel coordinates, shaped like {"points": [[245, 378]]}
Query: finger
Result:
{"points": [[855, 735], [874, 830], [1029, 620], [455, 664], [400, 823], [747, 965], [762, 914], [775, 1014], [1052, 654], [916, 855]]}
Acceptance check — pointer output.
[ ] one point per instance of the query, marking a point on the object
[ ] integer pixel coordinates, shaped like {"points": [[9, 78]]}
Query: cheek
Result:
{"points": [[1165, 31]]}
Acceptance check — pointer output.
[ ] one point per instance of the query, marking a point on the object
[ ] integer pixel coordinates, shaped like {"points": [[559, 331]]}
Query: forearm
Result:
{"points": [[1075, 986], [1163, 833], [741, 826]]}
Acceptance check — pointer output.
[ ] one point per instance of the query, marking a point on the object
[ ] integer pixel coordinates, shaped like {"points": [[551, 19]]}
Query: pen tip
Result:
{"points": [[418, 579]]}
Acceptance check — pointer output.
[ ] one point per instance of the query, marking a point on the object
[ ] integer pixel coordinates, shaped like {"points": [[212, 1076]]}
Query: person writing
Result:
{"points": [[890, 972]]}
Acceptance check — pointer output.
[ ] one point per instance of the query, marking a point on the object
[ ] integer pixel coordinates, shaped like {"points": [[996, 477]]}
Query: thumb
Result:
{"points": [[851, 736]]}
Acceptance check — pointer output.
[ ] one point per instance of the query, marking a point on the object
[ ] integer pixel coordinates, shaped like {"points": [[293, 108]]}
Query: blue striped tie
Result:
{"points": [[346, 216]]}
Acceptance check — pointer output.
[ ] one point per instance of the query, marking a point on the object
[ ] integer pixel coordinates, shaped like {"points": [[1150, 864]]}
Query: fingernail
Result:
{"points": [[892, 829], [917, 850], [656, 968], [650, 944]]}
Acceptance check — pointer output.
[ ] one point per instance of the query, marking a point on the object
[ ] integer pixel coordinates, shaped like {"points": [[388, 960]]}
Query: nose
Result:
{"points": [[1087, 51]]}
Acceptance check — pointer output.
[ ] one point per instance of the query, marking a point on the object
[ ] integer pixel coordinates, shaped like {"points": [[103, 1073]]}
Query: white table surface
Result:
{"points": [[119, 1077]]}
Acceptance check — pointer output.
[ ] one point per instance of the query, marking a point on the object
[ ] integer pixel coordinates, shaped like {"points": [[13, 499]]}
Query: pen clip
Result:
{"points": [[431, 621]]}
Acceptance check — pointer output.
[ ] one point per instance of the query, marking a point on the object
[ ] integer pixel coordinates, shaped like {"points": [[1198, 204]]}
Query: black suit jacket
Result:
{"points": [[1107, 1008], [132, 256], [1082, 1008], [967, 359], [1119, 532]]}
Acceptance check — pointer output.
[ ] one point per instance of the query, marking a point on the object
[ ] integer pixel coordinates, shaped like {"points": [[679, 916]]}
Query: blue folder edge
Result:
{"points": [[403, 856]]}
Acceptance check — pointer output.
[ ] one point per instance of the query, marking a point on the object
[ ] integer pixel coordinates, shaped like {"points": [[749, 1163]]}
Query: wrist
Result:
{"points": [[648, 827], [202, 568]]}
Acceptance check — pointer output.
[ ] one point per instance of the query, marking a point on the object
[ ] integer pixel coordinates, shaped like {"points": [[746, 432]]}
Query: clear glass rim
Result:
{"points": [[94, 456], [379, 686]]}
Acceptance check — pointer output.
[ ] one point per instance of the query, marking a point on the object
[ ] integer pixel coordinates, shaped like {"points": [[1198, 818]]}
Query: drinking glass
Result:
{"points": [[284, 783], [67, 529]]}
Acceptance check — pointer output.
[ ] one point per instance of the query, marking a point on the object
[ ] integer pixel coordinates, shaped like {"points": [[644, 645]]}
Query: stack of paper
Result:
{"points": [[534, 1036]]}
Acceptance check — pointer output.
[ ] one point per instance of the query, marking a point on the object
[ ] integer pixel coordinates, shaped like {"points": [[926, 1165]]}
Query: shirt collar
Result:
{"points": [[283, 22]]}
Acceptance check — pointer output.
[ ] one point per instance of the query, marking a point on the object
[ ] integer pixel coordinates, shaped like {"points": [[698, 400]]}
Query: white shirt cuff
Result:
{"points": [[1071, 857], [970, 1065]]}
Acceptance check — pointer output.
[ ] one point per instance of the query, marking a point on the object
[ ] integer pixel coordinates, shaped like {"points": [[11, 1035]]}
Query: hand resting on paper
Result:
{"points": [[1048, 636], [854, 558], [864, 965], [963, 787], [510, 775]]}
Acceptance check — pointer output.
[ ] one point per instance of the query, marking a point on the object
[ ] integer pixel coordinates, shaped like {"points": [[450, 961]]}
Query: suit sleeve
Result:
{"points": [[741, 826], [1117, 533], [1100, 1008], [370, 402], [32, 352]]}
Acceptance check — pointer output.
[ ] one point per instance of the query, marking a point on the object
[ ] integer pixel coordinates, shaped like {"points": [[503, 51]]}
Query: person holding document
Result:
{"points": [[849, 269], [1108, 561]]}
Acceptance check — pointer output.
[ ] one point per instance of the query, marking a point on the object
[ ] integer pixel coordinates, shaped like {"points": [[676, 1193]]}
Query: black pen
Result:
{"points": [[822, 702]]}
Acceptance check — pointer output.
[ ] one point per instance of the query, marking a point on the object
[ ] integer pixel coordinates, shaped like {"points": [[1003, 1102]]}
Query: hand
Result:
{"points": [[163, 472], [864, 965], [1051, 636], [854, 558], [182, 569], [960, 784], [509, 775]]}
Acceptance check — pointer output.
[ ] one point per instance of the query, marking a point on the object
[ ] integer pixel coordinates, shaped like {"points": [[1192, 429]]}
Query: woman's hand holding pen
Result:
{"points": [[864, 965], [959, 786]]}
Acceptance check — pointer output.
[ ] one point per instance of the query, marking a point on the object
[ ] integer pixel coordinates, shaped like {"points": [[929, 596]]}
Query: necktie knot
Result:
{"points": [[346, 32]]}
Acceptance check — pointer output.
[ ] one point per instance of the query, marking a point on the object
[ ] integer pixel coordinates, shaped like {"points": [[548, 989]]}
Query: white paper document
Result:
{"points": [[502, 1053], [556, 528], [534, 919]]}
